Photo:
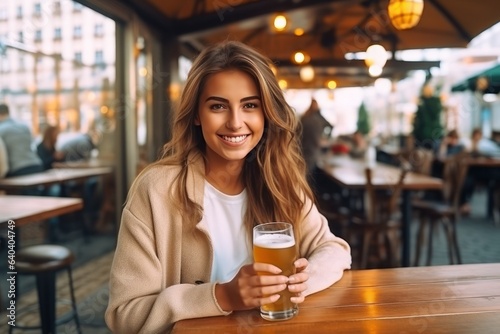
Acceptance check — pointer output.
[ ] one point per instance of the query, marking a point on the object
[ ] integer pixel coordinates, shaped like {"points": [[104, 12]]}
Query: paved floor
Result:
{"points": [[478, 239]]}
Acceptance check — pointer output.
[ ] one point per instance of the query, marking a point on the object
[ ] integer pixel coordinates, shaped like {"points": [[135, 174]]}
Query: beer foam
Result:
{"points": [[274, 241]]}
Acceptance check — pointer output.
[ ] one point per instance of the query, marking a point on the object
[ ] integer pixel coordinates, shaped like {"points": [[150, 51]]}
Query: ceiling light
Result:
{"points": [[307, 73], [331, 84], [405, 14], [375, 70], [280, 22], [300, 58], [298, 32], [283, 83], [375, 55]]}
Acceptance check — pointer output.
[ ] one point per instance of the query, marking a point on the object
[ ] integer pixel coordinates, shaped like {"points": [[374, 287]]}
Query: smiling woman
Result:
{"points": [[184, 247]]}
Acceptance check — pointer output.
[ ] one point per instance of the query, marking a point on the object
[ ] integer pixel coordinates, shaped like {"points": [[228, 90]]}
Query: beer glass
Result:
{"points": [[274, 243]]}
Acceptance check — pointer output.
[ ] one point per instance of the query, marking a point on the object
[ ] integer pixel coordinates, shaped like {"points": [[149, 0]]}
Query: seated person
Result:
{"points": [[483, 146], [78, 148], [47, 148], [449, 146]]}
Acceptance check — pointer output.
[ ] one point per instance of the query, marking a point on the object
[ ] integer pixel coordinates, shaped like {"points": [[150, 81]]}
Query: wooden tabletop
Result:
{"points": [[349, 173], [439, 299], [27, 209], [51, 176], [90, 163]]}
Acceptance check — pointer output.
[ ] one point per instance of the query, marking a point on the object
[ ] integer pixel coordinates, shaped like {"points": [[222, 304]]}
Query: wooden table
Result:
{"points": [[26, 209], [350, 173], [51, 176], [440, 299]]}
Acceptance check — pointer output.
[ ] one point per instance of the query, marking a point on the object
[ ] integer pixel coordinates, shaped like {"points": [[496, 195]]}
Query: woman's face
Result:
{"points": [[230, 115]]}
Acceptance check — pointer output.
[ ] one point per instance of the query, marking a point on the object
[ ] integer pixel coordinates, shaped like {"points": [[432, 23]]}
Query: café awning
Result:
{"points": [[492, 76]]}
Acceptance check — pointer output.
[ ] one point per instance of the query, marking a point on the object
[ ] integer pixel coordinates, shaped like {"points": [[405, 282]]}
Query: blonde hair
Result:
{"points": [[274, 171]]}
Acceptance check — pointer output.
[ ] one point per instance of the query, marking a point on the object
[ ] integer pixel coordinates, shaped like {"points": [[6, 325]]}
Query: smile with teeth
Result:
{"points": [[236, 139]]}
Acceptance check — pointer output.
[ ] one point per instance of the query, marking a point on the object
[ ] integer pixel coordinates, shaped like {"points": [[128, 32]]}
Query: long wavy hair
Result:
{"points": [[274, 171]]}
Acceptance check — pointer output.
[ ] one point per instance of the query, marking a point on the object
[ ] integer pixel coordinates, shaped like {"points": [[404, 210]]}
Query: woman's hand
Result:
{"points": [[297, 282], [248, 290]]}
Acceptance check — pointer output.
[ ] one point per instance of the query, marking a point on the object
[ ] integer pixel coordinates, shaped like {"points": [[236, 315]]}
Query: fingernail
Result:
{"points": [[291, 279], [275, 298]]}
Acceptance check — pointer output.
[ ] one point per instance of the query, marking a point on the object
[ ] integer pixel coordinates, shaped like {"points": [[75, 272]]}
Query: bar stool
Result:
{"points": [[43, 261]]}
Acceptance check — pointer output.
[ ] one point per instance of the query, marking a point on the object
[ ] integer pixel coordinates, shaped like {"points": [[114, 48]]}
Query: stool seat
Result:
{"points": [[42, 258], [44, 261]]}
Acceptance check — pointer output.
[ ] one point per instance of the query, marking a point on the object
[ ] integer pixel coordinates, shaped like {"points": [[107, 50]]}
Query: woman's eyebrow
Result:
{"points": [[221, 99]]}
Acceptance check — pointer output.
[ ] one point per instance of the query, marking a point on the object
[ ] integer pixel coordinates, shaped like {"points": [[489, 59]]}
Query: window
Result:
{"points": [[19, 12], [57, 8], [57, 34], [77, 32], [38, 35], [37, 11], [77, 7], [3, 14], [22, 65], [98, 30], [99, 57], [78, 57], [20, 37]]}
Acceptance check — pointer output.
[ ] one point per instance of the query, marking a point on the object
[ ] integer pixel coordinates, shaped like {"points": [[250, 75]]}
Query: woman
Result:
{"points": [[47, 148], [184, 247]]}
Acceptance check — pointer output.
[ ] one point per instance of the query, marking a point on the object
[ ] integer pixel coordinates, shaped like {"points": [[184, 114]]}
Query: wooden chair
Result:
{"points": [[444, 212], [379, 227]]}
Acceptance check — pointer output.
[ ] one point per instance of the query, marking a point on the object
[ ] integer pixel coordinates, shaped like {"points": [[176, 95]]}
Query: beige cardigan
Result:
{"points": [[161, 268]]}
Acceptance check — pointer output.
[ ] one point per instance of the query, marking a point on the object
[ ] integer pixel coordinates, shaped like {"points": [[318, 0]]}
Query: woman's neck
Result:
{"points": [[226, 178]]}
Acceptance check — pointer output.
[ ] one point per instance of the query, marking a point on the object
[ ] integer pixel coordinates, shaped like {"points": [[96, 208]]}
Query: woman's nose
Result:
{"points": [[235, 121]]}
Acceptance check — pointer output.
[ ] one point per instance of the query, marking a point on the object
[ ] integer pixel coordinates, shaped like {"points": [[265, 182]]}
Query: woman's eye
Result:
{"points": [[217, 106], [250, 106]]}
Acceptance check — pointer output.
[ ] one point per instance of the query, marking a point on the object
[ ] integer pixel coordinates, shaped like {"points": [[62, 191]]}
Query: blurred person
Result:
{"points": [[46, 149], [184, 247], [18, 139], [80, 147], [315, 128], [449, 145]]}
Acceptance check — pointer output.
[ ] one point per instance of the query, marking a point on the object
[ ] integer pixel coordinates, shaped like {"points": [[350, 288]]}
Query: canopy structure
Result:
{"points": [[330, 29], [492, 83]]}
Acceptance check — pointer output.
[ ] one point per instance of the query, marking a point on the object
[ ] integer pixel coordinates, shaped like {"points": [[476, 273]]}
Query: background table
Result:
{"points": [[27, 209], [51, 176], [439, 299], [350, 174]]}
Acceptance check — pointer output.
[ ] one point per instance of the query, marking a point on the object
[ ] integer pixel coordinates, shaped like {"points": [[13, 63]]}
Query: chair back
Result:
{"points": [[454, 173], [420, 160], [381, 208]]}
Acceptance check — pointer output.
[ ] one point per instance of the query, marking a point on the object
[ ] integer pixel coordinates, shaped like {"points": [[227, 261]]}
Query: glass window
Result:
{"points": [[57, 7], [38, 9], [98, 30], [20, 37], [38, 35], [77, 7], [78, 57], [57, 33], [19, 12], [3, 14], [99, 57], [77, 32]]}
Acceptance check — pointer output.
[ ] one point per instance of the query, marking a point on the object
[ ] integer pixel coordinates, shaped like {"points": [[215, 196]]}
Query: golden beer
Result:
{"points": [[276, 248]]}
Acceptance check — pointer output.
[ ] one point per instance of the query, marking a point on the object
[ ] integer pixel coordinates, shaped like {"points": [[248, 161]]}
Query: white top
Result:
{"points": [[224, 216]]}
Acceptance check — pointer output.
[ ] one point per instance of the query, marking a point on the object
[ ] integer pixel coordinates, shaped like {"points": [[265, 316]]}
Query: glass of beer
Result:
{"points": [[274, 243]]}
